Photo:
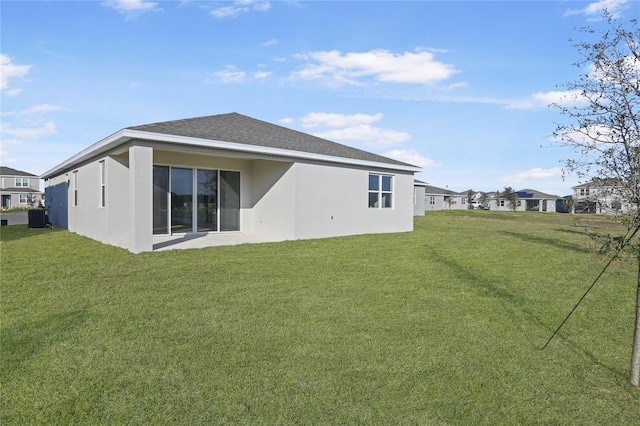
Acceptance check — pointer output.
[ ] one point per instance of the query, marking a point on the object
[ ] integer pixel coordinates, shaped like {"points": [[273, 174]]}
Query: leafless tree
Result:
{"points": [[603, 129]]}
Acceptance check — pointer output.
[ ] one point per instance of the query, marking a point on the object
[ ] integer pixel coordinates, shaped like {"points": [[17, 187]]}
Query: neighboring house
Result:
{"points": [[19, 189], [599, 196], [226, 174], [444, 199], [528, 200], [419, 200]]}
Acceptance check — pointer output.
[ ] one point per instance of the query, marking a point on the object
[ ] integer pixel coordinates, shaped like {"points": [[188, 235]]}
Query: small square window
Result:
{"points": [[380, 191]]}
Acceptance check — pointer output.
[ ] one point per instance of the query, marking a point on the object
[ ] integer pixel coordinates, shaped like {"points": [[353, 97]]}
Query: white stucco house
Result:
{"points": [[444, 199], [419, 200], [226, 176], [600, 196]]}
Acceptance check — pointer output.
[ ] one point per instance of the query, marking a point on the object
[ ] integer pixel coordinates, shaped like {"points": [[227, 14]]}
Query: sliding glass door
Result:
{"points": [[181, 200], [207, 200], [195, 200]]}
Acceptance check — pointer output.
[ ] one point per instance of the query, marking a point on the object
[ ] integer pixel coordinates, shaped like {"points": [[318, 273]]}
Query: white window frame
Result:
{"points": [[23, 198], [103, 187], [432, 200], [380, 192], [22, 182], [75, 188]]}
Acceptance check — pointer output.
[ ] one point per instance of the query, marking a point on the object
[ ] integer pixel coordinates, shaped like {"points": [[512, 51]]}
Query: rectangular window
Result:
{"points": [[501, 203], [103, 195], [24, 199], [22, 182], [75, 188], [432, 200], [380, 191]]}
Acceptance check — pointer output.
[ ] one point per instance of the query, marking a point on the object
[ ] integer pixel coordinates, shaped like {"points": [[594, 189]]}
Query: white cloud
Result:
{"points": [[30, 133], [132, 8], [231, 75], [369, 136], [614, 7], [412, 157], [240, 6], [314, 119], [6, 159], [377, 65], [269, 43], [533, 174], [287, 120], [10, 70], [544, 99], [42, 108], [262, 74]]}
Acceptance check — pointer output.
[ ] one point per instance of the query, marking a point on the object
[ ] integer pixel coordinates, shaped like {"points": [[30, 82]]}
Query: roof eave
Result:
{"points": [[127, 135]]}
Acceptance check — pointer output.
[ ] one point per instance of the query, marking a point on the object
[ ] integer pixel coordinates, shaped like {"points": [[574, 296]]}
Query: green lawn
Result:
{"points": [[443, 325]]}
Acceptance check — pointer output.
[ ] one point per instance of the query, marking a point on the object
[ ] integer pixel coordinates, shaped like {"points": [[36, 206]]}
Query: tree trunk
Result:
{"points": [[635, 354]]}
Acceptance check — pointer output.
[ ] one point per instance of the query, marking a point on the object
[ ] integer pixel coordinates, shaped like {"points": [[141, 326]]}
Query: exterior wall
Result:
{"points": [[550, 205], [333, 201], [87, 218], [117, 200], [140, 199], [107, 224], [419, 200], [456, 202], [273, 198], [433, 202], [56, 200]]}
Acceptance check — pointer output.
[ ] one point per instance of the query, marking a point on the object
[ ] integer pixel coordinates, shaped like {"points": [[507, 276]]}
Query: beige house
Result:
{"points": [[230, 178], [19, 189], [599, 196]]}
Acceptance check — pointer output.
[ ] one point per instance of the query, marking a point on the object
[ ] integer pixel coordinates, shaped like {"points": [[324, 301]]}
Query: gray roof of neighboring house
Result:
{"points": [[437, 191], [537, 194], [238, 128], [8, 171]]}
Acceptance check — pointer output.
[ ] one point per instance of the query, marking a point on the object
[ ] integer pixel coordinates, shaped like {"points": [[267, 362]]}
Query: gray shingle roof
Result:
{"points": [[8, 171], [238, 128], [537, 194]]}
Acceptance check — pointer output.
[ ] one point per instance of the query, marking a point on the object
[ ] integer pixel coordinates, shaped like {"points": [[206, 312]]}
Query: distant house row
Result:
{"points": [[594, 197], [444, 199]]}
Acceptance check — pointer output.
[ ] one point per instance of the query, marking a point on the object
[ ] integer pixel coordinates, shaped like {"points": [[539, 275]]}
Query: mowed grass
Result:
{"points": [[443, 325]]}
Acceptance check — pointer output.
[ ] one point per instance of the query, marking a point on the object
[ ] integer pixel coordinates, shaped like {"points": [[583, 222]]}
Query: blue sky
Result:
{"points": [[459, 88]]}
